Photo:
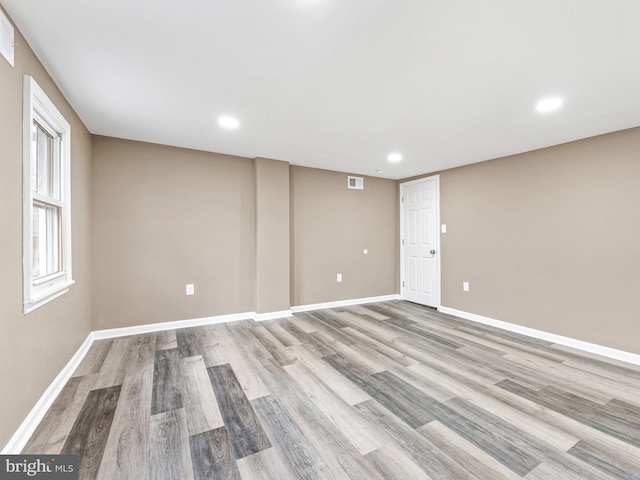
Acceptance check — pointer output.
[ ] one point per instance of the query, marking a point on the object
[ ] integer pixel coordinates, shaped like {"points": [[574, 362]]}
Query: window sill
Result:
{"points": [[34, 303]]}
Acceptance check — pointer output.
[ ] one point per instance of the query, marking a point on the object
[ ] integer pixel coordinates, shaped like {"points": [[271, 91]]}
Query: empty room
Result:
{"points": [[298, 239]]}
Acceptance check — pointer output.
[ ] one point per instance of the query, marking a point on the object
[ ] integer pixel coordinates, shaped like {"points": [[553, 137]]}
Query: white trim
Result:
{"points": [[550, 337], [35, 416], [437, 233], [159, 327], [37, 105], [344, 303], [261, 317]]}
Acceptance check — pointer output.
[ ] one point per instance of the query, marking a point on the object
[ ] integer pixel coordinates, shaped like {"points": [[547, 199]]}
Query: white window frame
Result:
{"points": [[37, 106]]}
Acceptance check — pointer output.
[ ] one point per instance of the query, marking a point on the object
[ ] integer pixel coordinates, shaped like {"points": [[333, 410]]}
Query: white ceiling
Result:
{"points": [[339, 84]]}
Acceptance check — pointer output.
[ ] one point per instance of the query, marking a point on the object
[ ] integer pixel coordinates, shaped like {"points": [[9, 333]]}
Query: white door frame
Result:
{"points": [[437, 236]]}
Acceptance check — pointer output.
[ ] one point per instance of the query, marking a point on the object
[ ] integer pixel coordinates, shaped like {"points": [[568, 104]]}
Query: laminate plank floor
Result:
{"points": [[391, 390]]}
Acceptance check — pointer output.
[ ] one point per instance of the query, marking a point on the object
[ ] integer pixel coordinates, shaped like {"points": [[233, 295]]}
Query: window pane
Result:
{"points": [[45, 241], [53, 240], [44, 161], [39, 244]]}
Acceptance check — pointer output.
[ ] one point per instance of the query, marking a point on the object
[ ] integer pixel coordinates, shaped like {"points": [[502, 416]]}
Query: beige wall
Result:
{"points": [[549, 239], [35, 347], [331, 226], [165, 217], [272, 235]]}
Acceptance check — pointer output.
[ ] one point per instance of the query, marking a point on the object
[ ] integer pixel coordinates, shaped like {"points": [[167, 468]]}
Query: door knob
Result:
{"points": [[432, 252]]}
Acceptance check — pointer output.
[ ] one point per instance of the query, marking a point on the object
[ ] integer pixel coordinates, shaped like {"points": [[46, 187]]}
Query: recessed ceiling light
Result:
{"points": [[379, 171], [394, 157], [549, 104], [227, 121]]}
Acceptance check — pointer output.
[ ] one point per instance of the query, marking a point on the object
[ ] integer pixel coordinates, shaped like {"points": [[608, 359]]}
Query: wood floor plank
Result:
{"points": [[445, 364], [212, 456], [486, 398], [380, 347], [345, 389], [300, 458], [187, 340], [393, 463], [167, 382], [565, 471], [200, 404], [577, 382], [470, 457], [424, 453], [114, 365], [93, 360], [340, 455], [88, 436], [359, 357], [361, 434], [426, 385], [568, 425], [54, 428], [410, 412], [245, 432], [590, 414], [125, 453], [169, 450], [246, 348], [309, 342], [277, 350], [614, 465], [306, 322], [282, 335], [166, 340], [264, 465], [217, 350]]}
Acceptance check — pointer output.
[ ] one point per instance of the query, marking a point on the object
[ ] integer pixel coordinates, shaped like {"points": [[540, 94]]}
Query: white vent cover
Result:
{"points": [[6, 38], [356, 183]]}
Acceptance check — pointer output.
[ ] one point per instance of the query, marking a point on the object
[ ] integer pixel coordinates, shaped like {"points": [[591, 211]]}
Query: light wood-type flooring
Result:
{"points": [[378, 391]]}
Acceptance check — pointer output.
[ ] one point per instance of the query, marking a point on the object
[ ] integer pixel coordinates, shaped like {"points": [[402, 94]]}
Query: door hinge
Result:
{"points": [[403, 241], [403, 284], [402, 199]]}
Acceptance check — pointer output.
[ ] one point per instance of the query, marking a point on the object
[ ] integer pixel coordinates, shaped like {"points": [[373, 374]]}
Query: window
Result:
{"points": [[46, 197]]}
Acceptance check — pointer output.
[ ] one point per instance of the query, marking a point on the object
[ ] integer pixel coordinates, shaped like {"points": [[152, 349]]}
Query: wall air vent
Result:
{"points": [[356, 183]]}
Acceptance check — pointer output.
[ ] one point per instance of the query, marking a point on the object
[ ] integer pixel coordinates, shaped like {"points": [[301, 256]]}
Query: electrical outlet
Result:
{"points": [[339, 277], [443, 228], [465, 286], [190, 289]]}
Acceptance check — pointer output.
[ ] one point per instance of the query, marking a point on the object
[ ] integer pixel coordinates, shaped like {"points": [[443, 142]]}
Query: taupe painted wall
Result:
{"points": [[34, 348], [272, 235], [165, 217], [549, 239], [331, 226]]}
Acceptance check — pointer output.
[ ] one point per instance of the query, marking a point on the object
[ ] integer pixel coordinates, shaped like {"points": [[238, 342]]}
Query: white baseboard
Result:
{"points": [[550, 337], [35, 416], [261, 317], [159, 327], [344, 303]]}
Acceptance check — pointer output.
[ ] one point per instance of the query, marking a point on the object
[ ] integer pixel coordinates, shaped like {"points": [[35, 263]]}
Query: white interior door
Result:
{"points": [[420, 241]]}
